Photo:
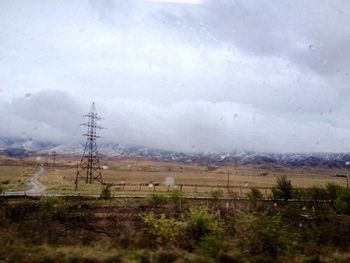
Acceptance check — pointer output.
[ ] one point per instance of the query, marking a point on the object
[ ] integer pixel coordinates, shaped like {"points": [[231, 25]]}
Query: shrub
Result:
{"points": [[106, 192], [283, 189], [300, 194], [254, 196], [317, 193], [334, 191], [201, 223], [5, 181], [177, 197], [52, 206], [340, 197], [156, 199], [342, 203], [216, 195], [263, 235], [164, 230]]}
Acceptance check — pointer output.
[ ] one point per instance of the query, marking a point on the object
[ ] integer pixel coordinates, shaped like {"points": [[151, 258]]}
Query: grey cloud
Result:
{"points": [[175, 76], [190, 126]]}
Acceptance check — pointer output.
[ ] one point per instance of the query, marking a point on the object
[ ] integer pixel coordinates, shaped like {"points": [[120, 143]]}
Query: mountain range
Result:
{"points": [[23, 147]]}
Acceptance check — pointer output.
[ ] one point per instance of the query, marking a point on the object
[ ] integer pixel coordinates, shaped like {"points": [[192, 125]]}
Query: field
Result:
{"points": [[140, 177], [14, 173]]}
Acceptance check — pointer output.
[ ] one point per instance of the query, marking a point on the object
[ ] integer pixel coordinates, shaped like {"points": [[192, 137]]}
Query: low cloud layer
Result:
{"points": [[196, 76], [190, 126]]}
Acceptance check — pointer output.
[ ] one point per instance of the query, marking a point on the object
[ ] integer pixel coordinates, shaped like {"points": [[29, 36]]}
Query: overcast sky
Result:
{"points": [[196, 75]]}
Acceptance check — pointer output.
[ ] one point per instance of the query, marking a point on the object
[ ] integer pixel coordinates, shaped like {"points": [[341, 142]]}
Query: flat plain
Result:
{"points": [[140, 177]]}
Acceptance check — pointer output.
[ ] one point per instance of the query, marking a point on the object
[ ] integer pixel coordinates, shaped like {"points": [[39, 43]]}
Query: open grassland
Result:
{"points": [[138, 177], [14, 178]]}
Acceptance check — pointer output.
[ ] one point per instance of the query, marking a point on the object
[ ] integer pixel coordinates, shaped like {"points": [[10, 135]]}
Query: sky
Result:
{"points": [[180, 75]]}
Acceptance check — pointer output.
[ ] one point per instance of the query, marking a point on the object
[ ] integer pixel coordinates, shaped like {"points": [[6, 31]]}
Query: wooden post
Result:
{"points": [[181, 187], [228, 181]]}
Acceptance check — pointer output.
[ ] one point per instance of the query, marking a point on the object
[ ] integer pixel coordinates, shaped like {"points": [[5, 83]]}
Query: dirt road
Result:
{"points": [[36, 189]]}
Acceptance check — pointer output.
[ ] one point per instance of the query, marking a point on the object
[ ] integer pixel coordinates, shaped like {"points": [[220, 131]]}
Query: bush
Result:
{"points": [[106, 192], [164, 230], [340, 198], [317, 193], [157, 199], [50, 206], [263, 235], [300, 194], [334, 191], [254, 196], [5, 181], [177, 197], [216, 195], [342, 203], [201, 223], [283, 189]]}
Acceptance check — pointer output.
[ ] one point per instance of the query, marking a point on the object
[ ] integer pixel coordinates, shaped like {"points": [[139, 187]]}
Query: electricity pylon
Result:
{"points": [[89, 167]]}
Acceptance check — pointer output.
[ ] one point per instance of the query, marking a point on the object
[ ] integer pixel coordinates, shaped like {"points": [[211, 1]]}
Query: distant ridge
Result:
{"points": [[21, 147]]}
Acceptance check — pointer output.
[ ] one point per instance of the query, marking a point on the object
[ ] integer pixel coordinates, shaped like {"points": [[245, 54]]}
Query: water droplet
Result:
{"points": [[28, 95], [235, 115], [311, 47]]}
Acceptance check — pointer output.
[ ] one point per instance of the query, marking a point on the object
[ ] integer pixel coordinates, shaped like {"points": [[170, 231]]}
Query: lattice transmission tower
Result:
{"points": [[89, 167]]}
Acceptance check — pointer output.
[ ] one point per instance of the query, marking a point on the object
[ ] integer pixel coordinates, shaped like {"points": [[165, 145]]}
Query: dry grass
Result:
{"points": [[14, 178], [142, 172]]}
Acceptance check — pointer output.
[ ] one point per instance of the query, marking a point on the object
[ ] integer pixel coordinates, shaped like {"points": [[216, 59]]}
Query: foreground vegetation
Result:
{"points": [[171, 228]]}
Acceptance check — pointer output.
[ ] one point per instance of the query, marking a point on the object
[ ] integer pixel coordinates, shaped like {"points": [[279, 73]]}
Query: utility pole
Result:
{"points": [[89, 168], [54, 154], [228, 181], [347, 174]]}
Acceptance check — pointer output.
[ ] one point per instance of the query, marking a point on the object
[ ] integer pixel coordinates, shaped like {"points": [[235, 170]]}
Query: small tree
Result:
{"points": [[164, 230], [216, 194], [177, 197], [156, 199], [254, 196], [200, 223], [106, 192], [334, 191], [342, 204], [283, 189]]}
